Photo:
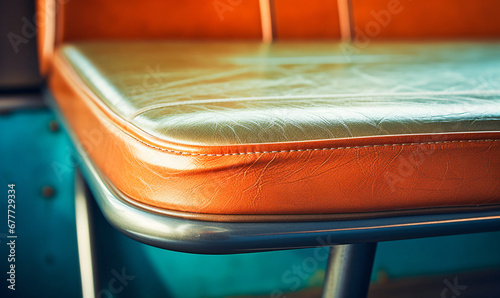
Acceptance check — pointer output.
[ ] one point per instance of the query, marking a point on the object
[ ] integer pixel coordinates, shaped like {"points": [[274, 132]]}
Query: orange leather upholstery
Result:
{"points": [[218, 129], [425, 19], [62, 20], [153, 19], [237, 19], [313, 19], [289, 129]]}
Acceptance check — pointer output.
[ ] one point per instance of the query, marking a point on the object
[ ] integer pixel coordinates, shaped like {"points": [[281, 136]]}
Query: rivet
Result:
{"points": [[54, 126], [48, 191]]}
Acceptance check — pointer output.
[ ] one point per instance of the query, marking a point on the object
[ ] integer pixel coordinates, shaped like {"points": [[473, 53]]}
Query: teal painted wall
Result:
{"points": [[46, 251]]}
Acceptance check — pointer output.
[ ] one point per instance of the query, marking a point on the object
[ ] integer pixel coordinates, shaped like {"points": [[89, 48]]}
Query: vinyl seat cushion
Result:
{"points": [[287, 128]]}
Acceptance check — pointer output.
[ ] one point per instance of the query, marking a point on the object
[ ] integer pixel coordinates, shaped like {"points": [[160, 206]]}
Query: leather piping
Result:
{"points": [[318, 149]]}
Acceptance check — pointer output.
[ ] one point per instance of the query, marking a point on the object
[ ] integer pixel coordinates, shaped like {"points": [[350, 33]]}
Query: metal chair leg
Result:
{"points": [[349, 270], [85, 237]]}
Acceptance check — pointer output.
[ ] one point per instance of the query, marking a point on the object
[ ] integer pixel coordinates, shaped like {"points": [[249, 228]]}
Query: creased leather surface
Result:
{"points": [[291, 129], [220, 94]]}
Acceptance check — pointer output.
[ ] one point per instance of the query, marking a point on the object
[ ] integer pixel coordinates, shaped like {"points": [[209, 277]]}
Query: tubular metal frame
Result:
{"points": [[349, 270], [85, 237]]}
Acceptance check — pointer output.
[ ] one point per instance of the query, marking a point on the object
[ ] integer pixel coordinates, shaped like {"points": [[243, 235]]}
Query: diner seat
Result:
{"points": [[287, 131], [202, 127]]}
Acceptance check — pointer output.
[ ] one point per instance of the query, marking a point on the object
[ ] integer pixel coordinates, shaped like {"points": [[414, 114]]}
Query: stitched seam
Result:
{"points": [[317, 149]]}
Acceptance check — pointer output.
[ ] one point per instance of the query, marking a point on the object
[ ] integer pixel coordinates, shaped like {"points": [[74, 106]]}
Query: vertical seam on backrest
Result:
{"points": [[267, 20], [346, 20]]}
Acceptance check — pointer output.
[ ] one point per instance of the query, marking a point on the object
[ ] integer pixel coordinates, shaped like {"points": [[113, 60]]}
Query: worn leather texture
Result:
{"points": [[241, 128], [226, 94]]}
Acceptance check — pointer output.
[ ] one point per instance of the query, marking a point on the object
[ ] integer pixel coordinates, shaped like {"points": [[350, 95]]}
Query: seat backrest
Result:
{"points": [[358, 20], [426, 19]]}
